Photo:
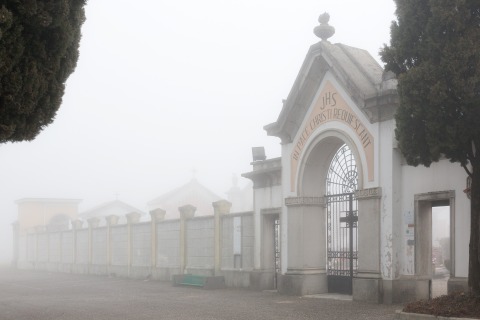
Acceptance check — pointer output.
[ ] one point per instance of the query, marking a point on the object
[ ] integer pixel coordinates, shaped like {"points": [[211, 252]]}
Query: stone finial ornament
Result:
{"points": [[324, 30]]}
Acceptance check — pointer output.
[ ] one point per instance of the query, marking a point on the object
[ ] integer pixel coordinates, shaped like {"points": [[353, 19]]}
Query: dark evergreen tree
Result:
{"points": [[39, 42], [435, 52]]}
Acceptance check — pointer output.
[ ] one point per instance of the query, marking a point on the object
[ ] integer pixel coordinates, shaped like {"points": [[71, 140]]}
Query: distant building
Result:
{"points": [[41, 214], [53, 214], [240, 198], [192, 193]]}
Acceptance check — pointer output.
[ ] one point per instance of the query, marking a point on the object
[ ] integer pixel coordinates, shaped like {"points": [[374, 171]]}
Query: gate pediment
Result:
{"points": [[355, 70]]}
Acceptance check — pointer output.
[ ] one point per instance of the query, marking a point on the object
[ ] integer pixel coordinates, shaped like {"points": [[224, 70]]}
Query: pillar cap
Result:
{"points": [[111, 220], [187, 211], [157, 214], [133, 217], [222, 206], [77, 224], [93, 222]]}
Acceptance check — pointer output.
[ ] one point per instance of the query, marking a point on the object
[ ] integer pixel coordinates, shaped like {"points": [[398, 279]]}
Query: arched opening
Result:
{"points": [[342, 176], [329, 172], [342, 221], [318, 158]]}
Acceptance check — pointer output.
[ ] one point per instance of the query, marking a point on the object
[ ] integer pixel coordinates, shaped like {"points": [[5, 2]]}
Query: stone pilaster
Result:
{"points": [[220, 208], [186, 212], [92, 223], [36, 231], [16, 241], [306, 264], [76, 225], [132, 218], [156, 216], [111, 220], [367, 284], [60, 248]]}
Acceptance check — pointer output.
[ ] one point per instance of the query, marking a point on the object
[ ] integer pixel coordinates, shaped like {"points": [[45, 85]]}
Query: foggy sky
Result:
{"points": [[163, 88]]}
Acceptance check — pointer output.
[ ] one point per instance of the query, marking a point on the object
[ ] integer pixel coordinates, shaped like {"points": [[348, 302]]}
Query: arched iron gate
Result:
{"points": [[342, 221]]}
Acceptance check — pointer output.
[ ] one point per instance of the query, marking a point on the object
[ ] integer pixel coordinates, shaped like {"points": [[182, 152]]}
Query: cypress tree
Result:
{"points": [[434, 50], [39, 41]]}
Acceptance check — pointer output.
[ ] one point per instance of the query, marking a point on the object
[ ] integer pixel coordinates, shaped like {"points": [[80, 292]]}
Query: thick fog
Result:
{"points": [[165, 90]]}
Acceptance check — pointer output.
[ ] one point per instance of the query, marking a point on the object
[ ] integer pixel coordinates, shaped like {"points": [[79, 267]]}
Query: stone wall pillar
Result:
{"points": [[92, 224], [16, 244], [307, 247], [76, 225], [111, 220], [186, 212], [156, 216], [367, 284], [60, 249], [47, 233], [37, 230], [220, 208], [132, 218]]}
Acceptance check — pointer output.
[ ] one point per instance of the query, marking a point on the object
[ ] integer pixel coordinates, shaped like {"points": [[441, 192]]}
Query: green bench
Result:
{"points": [[205, 282]]}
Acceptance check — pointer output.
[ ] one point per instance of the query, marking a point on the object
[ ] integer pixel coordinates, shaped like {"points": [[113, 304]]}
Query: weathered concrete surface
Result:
{"points": [[42, 295]]}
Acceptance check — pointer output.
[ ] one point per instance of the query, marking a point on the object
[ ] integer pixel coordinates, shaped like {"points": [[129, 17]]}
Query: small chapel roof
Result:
{"points": [[192, 193], [115, 207]]}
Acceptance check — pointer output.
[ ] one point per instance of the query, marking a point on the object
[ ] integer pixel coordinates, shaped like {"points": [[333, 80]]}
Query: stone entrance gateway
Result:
{"points": [[351, 219]]}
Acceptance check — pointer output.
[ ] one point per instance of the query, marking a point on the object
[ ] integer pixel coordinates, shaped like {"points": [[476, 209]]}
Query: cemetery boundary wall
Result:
{"points": [[218, 245]]}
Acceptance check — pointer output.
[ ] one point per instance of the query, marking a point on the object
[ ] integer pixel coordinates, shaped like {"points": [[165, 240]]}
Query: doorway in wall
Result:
{"points": [[276, 242], [271, 245], [434, 238], [441, 263]]}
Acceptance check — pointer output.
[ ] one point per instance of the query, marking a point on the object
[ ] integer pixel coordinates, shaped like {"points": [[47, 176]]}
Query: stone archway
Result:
{"points": [[313, 170], [307, 216]]}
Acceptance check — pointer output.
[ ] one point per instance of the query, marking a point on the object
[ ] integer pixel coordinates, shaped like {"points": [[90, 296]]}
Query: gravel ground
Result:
{"points": [[42, 295]]}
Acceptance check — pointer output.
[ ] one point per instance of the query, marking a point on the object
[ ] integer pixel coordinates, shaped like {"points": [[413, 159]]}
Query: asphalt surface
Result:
{"points": [[440, 281], [43, 295]]}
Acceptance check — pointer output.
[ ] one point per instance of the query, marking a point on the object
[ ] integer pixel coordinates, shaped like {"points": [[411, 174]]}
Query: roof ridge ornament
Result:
{"points": [[324, 30]]}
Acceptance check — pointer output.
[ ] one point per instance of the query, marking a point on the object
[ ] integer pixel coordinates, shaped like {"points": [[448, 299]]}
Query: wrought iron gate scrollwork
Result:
{"points": [[342, 221]]}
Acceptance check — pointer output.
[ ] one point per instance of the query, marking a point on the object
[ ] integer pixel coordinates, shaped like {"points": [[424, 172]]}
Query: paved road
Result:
{"points": [[440, 281], [42, 295]]}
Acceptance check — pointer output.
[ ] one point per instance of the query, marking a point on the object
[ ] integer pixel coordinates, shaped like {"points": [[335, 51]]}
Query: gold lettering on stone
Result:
{"points": [[330, 106]]}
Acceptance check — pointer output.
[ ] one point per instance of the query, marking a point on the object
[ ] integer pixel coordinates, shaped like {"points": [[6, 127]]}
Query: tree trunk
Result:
{"points": [[474, 253]]}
